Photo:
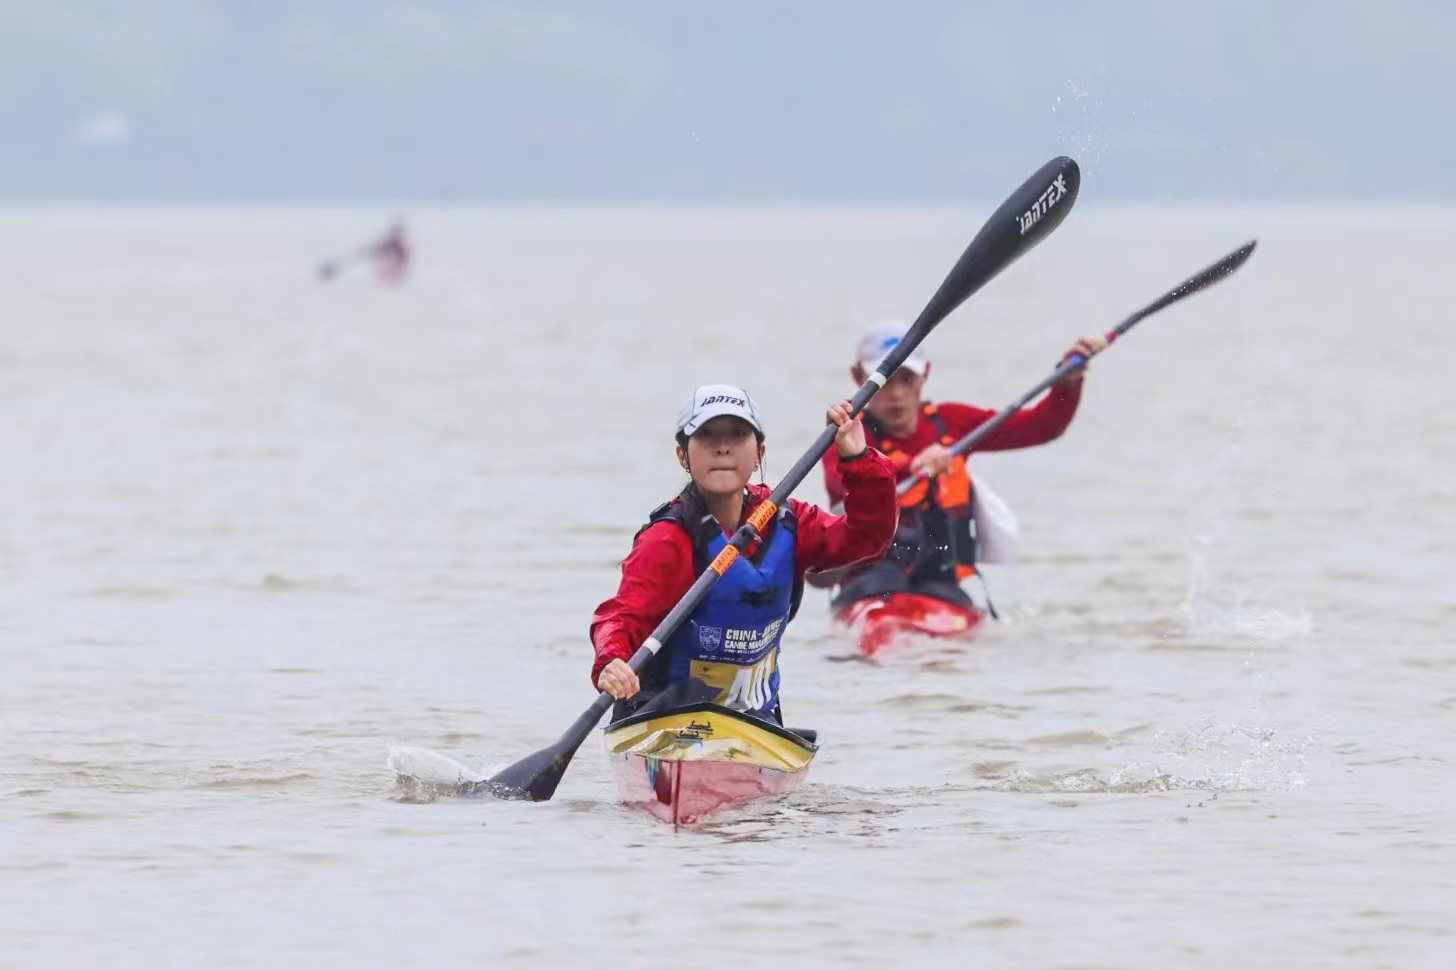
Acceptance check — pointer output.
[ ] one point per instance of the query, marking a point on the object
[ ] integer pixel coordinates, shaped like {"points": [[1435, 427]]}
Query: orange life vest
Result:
{"points": [[943, 503]]}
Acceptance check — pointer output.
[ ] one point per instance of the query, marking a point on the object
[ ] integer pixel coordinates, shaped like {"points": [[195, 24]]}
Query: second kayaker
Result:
{"points": [[935, 548]]}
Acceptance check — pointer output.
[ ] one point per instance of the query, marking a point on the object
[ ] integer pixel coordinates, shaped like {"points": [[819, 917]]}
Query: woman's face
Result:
{"points": [[897, 404], [722, 454]]}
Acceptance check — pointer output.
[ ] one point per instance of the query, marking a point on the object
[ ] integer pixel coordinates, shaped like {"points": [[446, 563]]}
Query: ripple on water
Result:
{"points": [[276, 583], [266, 782], [1071, 739], [992, 769], [131, 592], [813, 812], [951, 704]]}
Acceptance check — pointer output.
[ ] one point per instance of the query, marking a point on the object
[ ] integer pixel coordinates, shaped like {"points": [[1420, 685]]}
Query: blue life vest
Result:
{"points": [[731, 641]]}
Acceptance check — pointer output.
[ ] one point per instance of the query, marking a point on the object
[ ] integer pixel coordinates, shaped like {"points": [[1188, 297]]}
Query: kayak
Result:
{"points": [[894, 619], [684, 763]]}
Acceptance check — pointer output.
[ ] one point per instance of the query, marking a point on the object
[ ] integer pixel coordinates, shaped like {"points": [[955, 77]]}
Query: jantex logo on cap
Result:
{"points": [[723, 399], [709, 401]]}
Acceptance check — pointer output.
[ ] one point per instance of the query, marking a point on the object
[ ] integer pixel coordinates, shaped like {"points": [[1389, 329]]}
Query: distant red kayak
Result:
{"points": [[885, 622]]}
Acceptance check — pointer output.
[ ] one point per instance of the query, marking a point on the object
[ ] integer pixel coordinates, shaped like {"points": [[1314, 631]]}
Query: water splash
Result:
{"points": [[1215, 757], [1090, 781], [1243, 477], [423, 775], [1081, 126], [1239, 757], [1203, 616]]}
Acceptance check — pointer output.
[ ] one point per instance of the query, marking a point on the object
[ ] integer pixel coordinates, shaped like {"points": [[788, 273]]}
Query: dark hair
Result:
{"points": [[693, 503]]}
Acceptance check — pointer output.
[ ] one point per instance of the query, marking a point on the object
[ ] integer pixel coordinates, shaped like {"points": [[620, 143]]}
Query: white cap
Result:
{"points": [[715, 400], [879, 340]]}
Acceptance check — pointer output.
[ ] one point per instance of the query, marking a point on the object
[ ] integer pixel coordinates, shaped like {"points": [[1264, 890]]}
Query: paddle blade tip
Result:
{"points": [[1238, 257], [532, 779], [1045, 199]]}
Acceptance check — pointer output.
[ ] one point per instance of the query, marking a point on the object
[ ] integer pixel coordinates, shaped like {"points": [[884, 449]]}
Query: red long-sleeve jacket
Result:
{"points": [[659, 570], [1036, 425]]}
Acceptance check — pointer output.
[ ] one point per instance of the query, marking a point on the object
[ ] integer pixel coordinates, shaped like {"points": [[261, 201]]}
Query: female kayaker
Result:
{"points": [[935, 548], [727, 651]]}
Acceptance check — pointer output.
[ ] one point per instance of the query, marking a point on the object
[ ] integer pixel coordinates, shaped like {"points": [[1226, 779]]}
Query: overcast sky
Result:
{"points": [[908, 100]]}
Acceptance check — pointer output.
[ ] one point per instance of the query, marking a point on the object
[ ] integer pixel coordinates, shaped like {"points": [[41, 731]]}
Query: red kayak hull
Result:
{"points": [[684, 764], [686, 792], [883, 623]]}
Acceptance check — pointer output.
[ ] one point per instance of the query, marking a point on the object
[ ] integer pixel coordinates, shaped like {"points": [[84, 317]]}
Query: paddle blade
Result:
{"points": [[1026, 218], [1190, 286], [1224, 266], [1210, 275], [534, 778]]}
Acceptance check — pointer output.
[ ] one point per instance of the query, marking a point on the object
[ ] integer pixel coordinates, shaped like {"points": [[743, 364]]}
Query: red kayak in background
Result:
{"points": [[893, 620]]}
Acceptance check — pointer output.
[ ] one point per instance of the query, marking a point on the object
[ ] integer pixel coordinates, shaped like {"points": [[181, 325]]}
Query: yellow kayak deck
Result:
{"points": [[707, 732]]}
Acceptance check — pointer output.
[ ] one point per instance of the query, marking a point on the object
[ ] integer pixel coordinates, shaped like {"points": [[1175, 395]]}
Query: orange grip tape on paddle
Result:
{"points": [[723, 560], [762, 515], [758, 520]]}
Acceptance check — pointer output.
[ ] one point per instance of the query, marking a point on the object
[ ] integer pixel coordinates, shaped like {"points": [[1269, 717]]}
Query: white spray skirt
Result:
{"points": [[997, 532]]}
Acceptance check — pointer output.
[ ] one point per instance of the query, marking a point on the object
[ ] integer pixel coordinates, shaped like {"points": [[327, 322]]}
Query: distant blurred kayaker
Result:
{"points": [[727, 651], [390, 256], [936, 546]]}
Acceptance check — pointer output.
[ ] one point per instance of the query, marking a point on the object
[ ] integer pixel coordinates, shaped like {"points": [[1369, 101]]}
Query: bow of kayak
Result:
{"points": [[684, 763], [882, 623]]}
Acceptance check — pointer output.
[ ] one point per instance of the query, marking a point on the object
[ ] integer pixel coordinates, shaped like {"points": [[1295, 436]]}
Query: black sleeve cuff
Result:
{"points": [[863, 452]]}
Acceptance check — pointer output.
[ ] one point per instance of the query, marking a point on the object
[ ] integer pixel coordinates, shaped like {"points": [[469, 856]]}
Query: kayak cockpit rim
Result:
{"points": [[643, 717]]}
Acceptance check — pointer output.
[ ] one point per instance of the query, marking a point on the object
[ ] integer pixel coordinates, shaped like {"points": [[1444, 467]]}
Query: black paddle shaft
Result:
{"points": [[1027, 217]]}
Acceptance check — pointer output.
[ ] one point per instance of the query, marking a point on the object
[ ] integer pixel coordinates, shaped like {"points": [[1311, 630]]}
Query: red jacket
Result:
{"points": [[658, 571], [1036, 425]]}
